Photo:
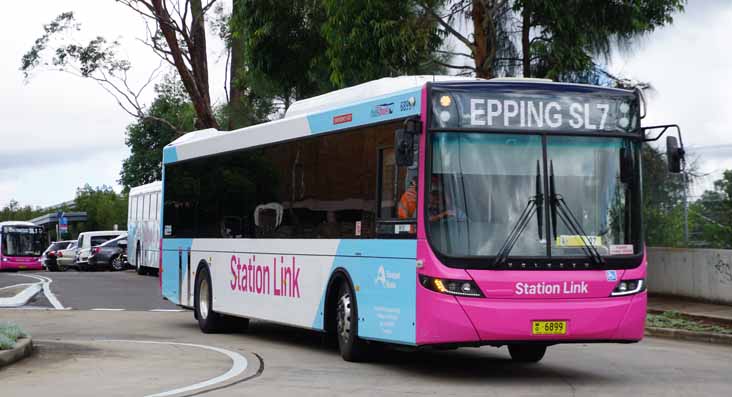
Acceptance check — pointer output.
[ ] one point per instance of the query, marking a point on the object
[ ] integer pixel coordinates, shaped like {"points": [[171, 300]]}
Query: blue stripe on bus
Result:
{"points": [[170, 155], [383, 273], [171, 273], [406, 103]]}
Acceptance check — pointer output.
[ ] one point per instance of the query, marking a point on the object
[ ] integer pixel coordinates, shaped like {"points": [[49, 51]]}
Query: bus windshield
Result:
{"points": [[481, 183], [22, 241]]}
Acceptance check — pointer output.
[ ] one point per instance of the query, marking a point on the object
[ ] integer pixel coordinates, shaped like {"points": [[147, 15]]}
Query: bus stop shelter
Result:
{"points": [[50, 221]]}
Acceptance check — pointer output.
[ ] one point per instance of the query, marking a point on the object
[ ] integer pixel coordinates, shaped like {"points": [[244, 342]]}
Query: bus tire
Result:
{"points": [[527, 353], [352, 348], [208, 320], [138, 258]]}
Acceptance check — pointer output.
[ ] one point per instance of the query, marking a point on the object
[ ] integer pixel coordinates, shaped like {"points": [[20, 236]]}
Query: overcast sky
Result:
{"points": [[60, 132]]}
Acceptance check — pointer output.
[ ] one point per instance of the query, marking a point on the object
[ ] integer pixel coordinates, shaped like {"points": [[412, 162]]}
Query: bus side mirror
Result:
{"points": [[404, 147], [674, 154], [404, 141]]}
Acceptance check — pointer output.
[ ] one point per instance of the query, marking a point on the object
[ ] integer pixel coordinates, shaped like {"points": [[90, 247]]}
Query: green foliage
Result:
{"points": [[147, 137], [9, 333], [98, 54], [104, 207], [373, 39], [710, 217], [283, 47], [566, 43], [676, 320], [663, 195], [13, 211]]}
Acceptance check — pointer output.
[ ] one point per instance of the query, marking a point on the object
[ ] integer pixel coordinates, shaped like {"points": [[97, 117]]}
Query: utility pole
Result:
{"points": [[686, 209]]}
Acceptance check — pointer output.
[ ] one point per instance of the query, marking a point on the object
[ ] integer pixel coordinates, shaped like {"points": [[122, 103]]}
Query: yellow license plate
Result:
{"points": [[548, 327], [22, 267]]}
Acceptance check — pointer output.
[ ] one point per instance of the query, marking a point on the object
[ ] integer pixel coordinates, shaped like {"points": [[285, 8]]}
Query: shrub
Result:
{"points": [[9, 333]]}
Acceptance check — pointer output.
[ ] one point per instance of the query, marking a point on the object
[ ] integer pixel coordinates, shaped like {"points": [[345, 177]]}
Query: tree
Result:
{"points": [[663, 196], [176, 33], [711, 215], [374, 39], [13, 211], [559, 39], [282, 48], [147, 137], [104, 208]]}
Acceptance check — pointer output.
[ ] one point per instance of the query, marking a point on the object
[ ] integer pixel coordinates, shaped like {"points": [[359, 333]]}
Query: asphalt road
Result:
{"points": [[295, 362], [90, 353], [96, 290]]}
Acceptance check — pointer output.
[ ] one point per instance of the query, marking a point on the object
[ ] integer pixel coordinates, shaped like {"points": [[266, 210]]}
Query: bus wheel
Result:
{"points": [[208, 320], [138, 267], [352, 348], [527, 353]]}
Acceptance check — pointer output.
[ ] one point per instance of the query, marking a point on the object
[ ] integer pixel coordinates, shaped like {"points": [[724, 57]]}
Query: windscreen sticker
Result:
{"points": [[576, 241], [168, 230], [622, 249]]}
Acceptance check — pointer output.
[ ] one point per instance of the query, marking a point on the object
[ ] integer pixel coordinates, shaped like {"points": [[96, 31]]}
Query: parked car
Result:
{"points": [[65, 258], [49, 258], [111, 254], [88, 240]]}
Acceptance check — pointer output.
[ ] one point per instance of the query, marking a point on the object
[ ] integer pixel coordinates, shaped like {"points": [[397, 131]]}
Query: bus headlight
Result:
{"points": [[629, 287], [451, 287]]}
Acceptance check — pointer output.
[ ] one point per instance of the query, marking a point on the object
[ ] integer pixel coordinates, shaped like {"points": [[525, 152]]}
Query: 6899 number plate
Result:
{"points": [[548, 327]]}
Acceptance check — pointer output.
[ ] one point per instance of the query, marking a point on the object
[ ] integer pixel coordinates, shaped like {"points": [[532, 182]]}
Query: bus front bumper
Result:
{"points": [[484, 321], [20, 264]]}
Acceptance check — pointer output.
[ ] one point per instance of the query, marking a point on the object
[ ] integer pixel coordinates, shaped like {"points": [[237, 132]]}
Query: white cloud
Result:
{"points": [[59, 132], [690, 67]]}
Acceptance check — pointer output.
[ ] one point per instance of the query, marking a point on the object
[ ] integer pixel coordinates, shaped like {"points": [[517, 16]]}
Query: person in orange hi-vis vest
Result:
{"points": [[407, 207]]}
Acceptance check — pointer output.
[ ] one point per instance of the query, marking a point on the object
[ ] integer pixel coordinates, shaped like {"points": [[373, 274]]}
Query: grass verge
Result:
{"points": [[676, 320], [9, 333]]}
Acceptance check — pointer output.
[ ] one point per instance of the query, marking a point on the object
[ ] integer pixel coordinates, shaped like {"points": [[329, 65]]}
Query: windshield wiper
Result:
{"points": [[565, 214], [534, 205]]}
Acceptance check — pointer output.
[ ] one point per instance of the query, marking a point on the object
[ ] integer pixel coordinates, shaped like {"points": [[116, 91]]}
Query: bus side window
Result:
{"points": [[397, 196]]}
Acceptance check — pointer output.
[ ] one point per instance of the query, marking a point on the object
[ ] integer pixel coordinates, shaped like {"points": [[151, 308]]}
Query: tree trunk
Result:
{"points": [[191, 78], [485, 38], [236, 93], [525, 43]]}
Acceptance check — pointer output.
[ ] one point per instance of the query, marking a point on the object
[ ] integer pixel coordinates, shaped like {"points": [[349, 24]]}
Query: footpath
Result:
{"points": [[682, 318]]}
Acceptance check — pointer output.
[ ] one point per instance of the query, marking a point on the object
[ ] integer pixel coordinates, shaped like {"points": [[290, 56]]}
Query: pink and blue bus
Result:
{"points": [[21, 246], [420, 211]]}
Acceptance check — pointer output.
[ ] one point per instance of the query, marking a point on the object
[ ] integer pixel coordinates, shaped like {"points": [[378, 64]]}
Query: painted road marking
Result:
{"points": [[101, 309], [46, 284], [238, 366], [167, 310]]}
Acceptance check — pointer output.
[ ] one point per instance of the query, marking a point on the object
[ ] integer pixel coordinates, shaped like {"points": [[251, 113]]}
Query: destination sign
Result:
{"points": [[534, 110], [22, 229]]}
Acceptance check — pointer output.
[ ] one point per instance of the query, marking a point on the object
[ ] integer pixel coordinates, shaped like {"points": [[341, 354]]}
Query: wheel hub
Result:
{"points": [[203, 303], [344, 317]]}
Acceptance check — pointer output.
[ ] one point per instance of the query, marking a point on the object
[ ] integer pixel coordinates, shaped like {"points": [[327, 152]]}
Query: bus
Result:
{"points": [[143, 227], [421, 211], [21, 246]]}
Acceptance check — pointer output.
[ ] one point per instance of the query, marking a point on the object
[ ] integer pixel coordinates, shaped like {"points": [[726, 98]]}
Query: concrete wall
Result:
{"points": [[695, 273]]}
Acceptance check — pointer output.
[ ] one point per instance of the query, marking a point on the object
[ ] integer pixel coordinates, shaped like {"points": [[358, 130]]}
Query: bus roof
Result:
{"points": [[377, 101], [16, 223], [147, 188]]}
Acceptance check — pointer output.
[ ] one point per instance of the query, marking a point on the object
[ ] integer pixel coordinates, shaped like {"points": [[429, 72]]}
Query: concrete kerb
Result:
{"points": [[707, 337], [23, 348], [698, 317]]}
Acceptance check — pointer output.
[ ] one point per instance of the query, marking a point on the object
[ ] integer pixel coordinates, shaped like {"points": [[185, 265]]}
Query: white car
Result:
{"points": [[65, 258], [88, 240]]}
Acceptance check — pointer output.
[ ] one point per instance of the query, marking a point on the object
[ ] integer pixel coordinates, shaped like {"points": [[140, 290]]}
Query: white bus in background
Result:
{"points": [[143, 227]]}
